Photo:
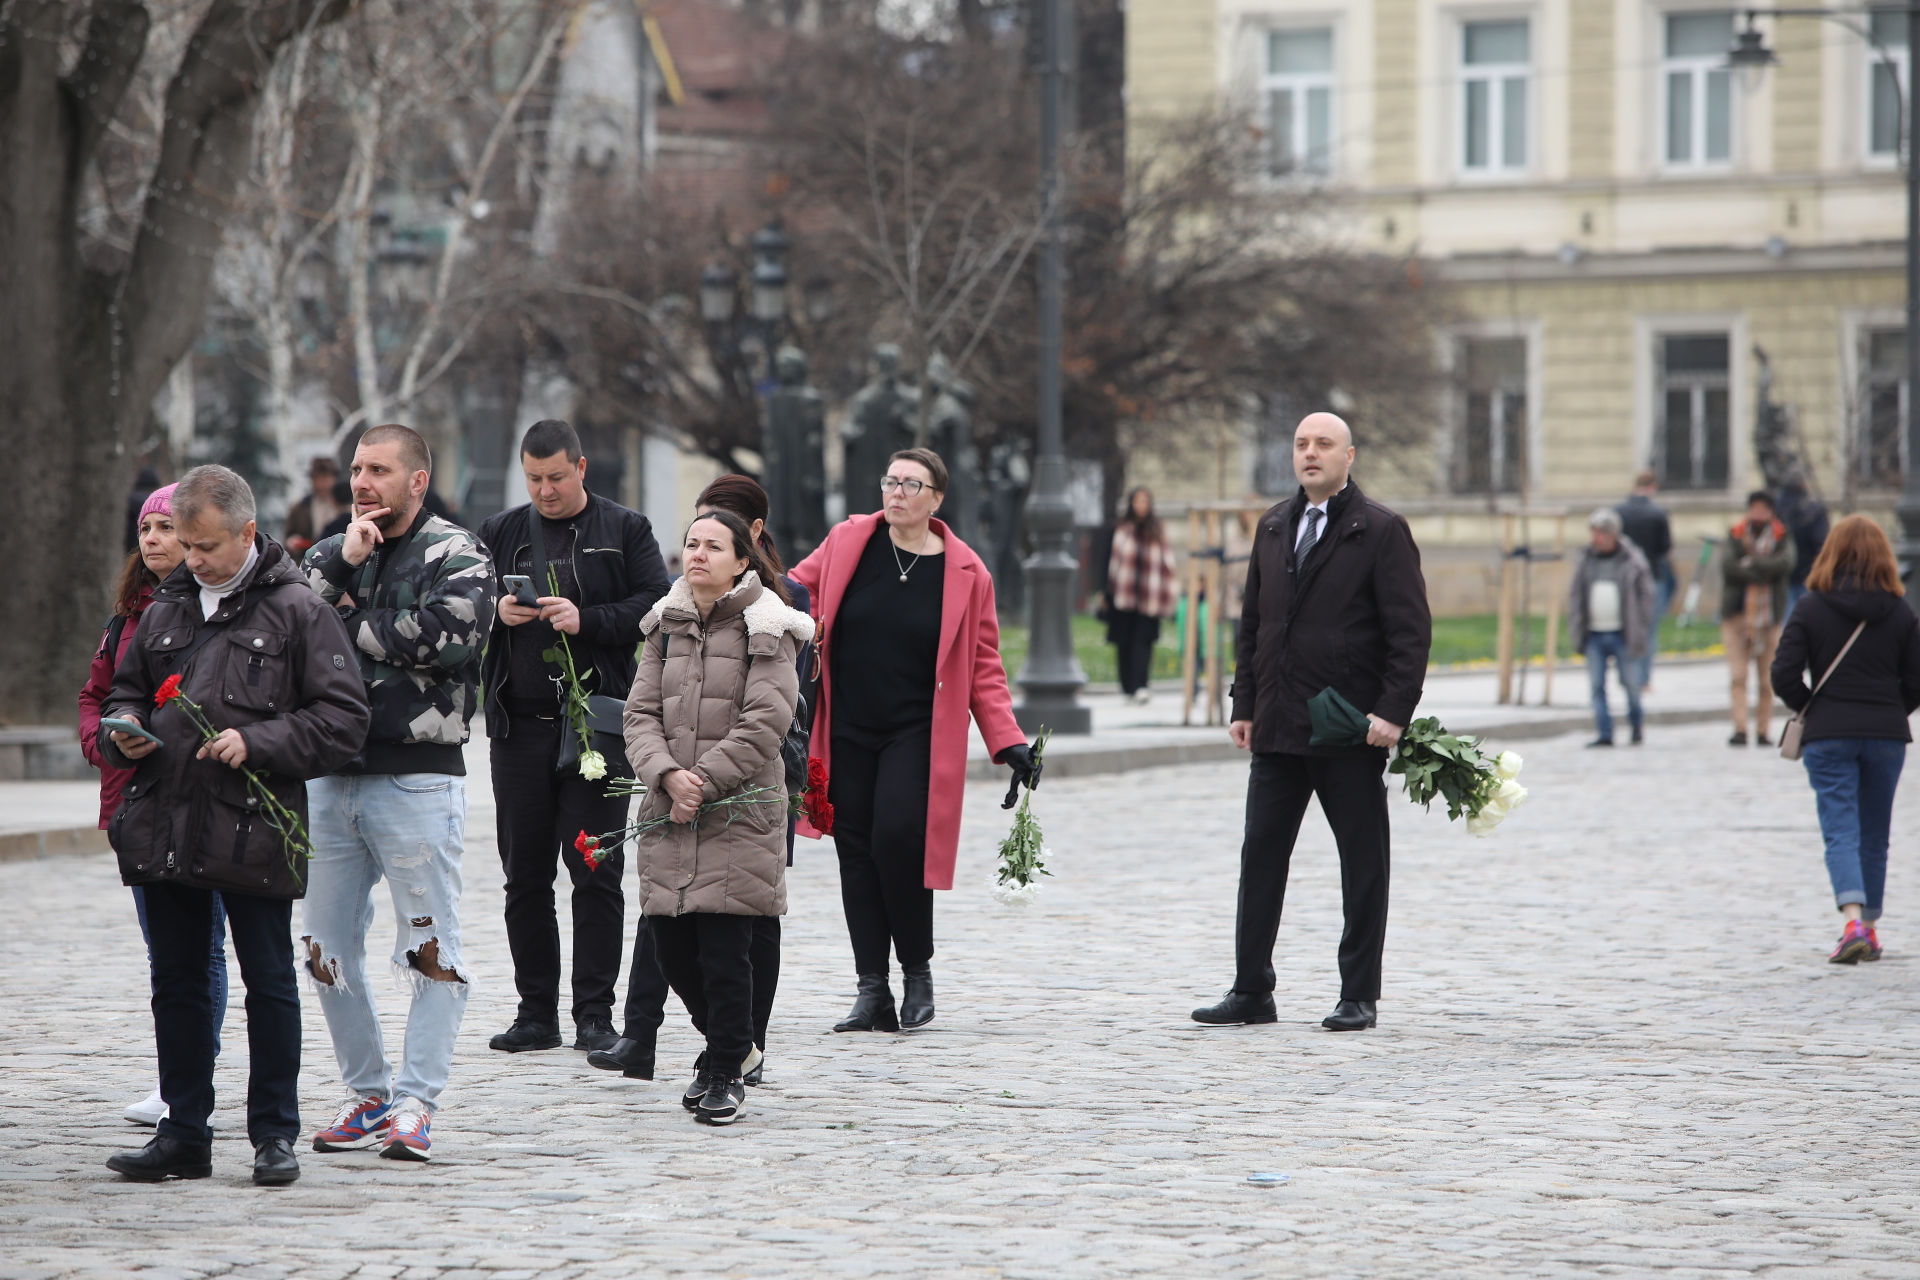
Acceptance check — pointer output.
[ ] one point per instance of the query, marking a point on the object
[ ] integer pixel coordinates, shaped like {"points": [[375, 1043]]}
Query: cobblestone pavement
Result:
{"points": [[1610, 1045]]}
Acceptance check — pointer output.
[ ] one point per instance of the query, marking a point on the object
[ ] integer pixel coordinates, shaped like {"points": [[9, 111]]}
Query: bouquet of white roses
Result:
{"points": [[1436, 764]]}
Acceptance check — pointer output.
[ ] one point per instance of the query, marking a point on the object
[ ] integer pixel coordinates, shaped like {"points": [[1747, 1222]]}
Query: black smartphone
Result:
{"points": [[522, 587]]}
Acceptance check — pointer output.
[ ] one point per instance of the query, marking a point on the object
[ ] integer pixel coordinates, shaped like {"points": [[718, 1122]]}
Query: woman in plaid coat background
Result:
{"points": [[1140, 591]]}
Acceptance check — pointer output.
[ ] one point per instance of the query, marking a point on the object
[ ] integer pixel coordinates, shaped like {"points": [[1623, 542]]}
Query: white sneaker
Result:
{"points": [[149, 1110], [1141, 697]]}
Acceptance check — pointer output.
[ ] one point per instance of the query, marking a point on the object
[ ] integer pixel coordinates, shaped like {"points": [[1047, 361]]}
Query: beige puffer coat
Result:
{"points": [[698, 703]]}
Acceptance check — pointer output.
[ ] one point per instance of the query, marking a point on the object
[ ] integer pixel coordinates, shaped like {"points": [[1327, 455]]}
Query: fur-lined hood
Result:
{"points": [[764, 614]]}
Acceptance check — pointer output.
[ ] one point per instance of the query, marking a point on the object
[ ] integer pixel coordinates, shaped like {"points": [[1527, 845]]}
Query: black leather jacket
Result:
{"points": [[616, 563]]}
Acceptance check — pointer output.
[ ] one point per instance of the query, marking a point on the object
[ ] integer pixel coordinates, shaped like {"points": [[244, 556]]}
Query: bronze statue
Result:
{"points": [[796, 458], [880, 423]]}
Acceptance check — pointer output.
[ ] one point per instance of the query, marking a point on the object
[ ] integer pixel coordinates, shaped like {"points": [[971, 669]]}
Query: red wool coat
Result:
{"points": [[968, 675], [99, 680]]}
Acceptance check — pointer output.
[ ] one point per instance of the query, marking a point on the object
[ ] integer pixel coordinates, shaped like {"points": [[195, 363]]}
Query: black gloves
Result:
{"points": [[1026, 771]]}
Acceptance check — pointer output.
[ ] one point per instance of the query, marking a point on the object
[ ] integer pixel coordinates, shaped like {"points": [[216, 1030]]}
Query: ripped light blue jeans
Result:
{"points": [[408, 829]]}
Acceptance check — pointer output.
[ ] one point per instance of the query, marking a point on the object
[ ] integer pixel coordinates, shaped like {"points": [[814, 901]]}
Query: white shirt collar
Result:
{"points": [[1321, 507]]}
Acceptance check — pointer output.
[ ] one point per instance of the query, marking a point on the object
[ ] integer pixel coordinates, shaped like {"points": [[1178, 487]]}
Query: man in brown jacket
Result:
{"points": [[1334, 600], [240, 634]]}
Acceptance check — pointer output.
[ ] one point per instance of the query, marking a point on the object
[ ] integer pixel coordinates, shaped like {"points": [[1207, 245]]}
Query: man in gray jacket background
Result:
{"points": [[1610, 611]]}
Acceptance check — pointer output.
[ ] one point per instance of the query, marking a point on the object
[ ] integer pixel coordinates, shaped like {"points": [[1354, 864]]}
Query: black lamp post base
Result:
{"points": [[1061, 717]]}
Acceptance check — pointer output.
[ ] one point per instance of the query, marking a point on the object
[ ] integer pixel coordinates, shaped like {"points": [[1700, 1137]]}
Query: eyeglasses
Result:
{"points": [[908, 486]]}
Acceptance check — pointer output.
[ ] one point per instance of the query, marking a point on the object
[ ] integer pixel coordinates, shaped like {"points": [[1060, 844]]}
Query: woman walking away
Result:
{"points": [[156, 553], [1140, 588], [633, 1054], [704, 722], [912, 645], [1860, 642]]}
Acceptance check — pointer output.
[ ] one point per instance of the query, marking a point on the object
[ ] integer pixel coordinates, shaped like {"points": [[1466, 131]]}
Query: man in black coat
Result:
{"points": [[1334, 599], [609, 572]]}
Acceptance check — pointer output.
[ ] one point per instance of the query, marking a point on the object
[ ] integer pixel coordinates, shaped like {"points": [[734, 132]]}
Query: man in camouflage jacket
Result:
{"points": [[416, 594]]}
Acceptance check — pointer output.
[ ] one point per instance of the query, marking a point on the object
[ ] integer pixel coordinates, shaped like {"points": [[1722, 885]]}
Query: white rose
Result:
{"points": [[1483, 823], [1511, 794], [1507, 765], [593, 766]]}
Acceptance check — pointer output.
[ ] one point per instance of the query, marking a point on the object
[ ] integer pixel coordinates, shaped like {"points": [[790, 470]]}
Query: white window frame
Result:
{"points": [[1494, 76], [1870, 73], [1699, 68], [1300, 84]]}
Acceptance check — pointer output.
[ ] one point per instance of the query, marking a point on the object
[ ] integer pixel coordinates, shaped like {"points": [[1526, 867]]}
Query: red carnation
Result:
{"points": [[589, 847], [814, 802], [168, 691]]}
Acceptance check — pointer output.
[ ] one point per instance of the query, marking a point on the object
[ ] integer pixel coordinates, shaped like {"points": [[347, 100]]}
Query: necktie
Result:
{"points": [[1312, 536]]}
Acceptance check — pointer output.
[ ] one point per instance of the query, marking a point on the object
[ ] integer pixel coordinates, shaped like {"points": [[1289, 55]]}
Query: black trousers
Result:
{"points": [[708, 958], [540, 812], [879, 794], [647, 987], [1353, 795], [179, 919], [1133, 635]]}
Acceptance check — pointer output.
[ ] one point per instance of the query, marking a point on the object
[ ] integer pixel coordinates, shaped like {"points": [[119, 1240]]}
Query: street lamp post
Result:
{"points": [[1750, 53], [1052, 678]]}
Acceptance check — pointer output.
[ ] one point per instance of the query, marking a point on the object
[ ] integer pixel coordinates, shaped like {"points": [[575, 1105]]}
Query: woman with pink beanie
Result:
{"points": [[157, 554]]}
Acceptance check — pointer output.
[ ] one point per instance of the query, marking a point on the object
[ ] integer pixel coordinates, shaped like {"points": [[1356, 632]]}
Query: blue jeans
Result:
{"points": [[1853, 782], [1602, 645], [216, 957], [408, 829], [1663, 584]]}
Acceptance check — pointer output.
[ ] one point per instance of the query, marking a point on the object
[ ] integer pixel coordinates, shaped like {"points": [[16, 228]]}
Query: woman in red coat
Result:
{"points": [[157, 554], [910, 644]]}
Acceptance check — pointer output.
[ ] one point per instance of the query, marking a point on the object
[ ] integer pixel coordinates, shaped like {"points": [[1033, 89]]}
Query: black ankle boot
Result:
{"points": [[631, 1058], [872, 1008], [916, 998]]}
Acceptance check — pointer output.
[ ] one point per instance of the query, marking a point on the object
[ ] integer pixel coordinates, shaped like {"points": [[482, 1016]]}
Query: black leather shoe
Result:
{"points": [[873, 1008], [165, 1158], [274, 1165], [524, 1035], [594, 1032], [1350, 1015], [629, 1057], [1739, 739], [916, 997], [1601, 742], [1239, 1007]]}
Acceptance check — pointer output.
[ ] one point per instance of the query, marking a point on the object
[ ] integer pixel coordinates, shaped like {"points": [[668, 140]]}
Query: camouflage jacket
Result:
{"points": [[418, 612]]}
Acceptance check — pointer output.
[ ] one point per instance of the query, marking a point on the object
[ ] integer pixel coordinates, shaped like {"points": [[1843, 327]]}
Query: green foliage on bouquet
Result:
{"points": [[573, 695], [1436, 764]]}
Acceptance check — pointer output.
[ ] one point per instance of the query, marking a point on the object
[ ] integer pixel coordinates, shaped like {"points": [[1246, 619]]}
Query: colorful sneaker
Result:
{"points": [[408, 1138], [1856, 943], [362, 1122], [1873, 944]]}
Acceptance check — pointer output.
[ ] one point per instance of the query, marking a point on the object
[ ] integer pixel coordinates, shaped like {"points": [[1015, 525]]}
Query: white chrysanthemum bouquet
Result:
{"points": [[1023, 854]]}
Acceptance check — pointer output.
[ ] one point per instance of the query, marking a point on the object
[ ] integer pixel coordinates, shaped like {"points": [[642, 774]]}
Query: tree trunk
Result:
{"points": [[87, 349]]}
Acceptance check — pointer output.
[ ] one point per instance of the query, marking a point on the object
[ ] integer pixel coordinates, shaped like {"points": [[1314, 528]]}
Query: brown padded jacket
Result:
{"points": [[276, 665], [717, 698]]}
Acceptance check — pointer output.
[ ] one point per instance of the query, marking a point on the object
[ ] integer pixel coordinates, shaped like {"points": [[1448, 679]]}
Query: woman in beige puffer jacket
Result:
{"points": [[704, 721]]}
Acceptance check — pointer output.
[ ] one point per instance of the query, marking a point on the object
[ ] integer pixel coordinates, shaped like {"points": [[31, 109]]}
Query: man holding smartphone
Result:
{"points": [[596, 571]]}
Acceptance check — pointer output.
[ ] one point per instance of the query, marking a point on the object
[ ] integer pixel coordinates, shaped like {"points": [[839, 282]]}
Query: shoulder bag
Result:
{"points": [[1790, 732]]}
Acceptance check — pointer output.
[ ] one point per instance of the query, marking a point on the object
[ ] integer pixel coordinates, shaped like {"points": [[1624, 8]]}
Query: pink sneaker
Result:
{"points": [[1873, 944], [1856, 944]]}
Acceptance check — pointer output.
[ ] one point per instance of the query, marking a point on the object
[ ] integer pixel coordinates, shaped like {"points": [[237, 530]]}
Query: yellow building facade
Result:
{"points": [[1639, 236]]}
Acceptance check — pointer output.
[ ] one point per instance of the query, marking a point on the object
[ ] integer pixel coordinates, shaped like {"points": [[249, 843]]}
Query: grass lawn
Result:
{"points": [[1455, 640]]}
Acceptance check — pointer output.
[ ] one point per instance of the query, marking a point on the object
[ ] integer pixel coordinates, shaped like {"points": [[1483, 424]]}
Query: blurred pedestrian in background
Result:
{"points": [[1754, 567], [144, 484], [158, 554], [1860, 641], [1140, 592], [1806, 519], [1643, 522], [1610, 615], [343, 504], [308, 518]]}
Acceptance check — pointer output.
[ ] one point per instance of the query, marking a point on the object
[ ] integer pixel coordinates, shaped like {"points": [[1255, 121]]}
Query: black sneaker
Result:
{"points": [[595, 1031], [526, 1034], [753, 1070], [1762, 740], [1639, 738], [1738, 739], [698, 1089], [1601, 742], [725, 1099]]}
